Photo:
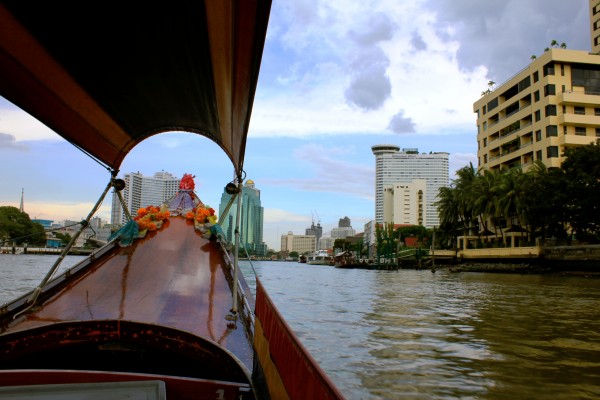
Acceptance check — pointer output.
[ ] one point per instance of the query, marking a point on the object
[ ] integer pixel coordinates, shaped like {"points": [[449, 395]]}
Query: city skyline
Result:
{"points": [[336, 79]]}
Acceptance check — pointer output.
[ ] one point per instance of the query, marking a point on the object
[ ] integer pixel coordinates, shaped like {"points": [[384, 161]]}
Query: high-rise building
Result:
{"points": [[393, 166], [344, 222], [251, 229], [142, 191], [595, 25], [315, 230], [550, 105]]}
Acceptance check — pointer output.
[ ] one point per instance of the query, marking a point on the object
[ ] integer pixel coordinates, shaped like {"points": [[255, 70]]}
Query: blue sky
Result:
{"points": [[337, 78]]}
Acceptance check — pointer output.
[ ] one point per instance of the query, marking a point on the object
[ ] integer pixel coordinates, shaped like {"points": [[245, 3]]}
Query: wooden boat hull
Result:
{"points": [[157, 310]]}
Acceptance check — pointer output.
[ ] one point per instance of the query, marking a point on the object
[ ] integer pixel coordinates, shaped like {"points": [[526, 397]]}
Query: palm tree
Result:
{"points": [[464, 184], [554, 43], [563, 45], [512, 200], [484, 196]]}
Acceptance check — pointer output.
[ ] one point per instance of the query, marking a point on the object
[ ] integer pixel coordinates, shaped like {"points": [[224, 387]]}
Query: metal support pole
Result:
{"points": [[236, 247], [66, 250]]}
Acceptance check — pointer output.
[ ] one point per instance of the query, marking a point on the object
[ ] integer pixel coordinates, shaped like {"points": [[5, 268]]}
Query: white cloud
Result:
{"points": [[23, 126]]}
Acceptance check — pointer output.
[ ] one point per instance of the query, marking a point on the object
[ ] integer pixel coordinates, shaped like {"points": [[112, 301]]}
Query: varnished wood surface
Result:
{"points": [[173, 277]]}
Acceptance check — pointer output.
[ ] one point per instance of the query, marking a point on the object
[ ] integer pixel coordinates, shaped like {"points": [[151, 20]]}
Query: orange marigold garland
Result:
{"points": [[151, 218]]}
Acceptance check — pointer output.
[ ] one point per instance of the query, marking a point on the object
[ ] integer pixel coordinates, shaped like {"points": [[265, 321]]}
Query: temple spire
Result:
{"points": [[22, 206]]}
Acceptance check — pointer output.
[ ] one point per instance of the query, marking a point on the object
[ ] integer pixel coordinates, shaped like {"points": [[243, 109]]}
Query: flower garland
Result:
{"points": [[151, 218], [203, 214]]}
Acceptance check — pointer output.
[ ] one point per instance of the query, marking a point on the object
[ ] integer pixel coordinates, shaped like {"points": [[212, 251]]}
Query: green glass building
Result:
{"points": [[251, 230]]}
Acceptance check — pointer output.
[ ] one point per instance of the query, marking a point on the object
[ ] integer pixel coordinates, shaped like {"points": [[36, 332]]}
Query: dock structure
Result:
{"points": [[43, 250]]}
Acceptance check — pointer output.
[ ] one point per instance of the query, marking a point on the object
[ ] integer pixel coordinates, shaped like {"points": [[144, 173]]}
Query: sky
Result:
{"points": [[337, 77]]}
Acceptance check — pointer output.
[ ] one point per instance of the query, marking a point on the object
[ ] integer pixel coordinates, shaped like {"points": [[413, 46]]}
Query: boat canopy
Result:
{"points": [[106, 75]]}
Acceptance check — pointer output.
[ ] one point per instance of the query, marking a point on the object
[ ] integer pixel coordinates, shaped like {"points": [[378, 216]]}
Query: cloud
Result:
{"points": [[333, 171], [502, 35], [458, 160], [22, 126], [417, 42], [377, 27], [9, 141], [401, 124]]}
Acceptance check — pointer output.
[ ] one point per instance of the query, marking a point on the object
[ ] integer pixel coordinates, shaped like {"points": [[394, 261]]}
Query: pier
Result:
{"points": [[44, 250]]}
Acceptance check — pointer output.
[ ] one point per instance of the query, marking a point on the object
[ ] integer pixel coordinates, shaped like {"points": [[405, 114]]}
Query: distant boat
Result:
{"points": [[302, 259], [320, 257]]}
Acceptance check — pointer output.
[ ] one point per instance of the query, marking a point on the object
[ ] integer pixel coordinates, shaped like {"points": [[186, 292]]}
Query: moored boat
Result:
{"points": [[166, 311], [320, 257]]}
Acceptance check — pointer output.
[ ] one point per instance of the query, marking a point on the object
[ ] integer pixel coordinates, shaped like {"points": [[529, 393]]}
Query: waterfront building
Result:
{"points": [[302, 244], [404, 203], [251, 223], [142, 191], [325, 243], [393, 166], [550, 105]]}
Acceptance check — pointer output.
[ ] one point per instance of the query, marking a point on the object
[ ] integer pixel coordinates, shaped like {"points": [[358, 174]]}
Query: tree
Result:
{"points": [[15, 226], [294, 254], [582, 172]]}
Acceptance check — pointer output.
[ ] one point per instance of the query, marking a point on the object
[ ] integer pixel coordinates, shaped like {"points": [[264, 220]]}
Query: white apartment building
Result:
{"points": [[300, 243], [142, 191], [393, 166], [404, 203]]}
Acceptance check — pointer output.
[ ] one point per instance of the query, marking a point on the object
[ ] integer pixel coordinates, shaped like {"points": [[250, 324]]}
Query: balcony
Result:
{"points": [[579, 120], [576, 140], [578, 98]]}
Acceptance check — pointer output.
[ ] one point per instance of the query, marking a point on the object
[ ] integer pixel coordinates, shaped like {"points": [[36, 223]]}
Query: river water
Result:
{"points": [[422, 335]]}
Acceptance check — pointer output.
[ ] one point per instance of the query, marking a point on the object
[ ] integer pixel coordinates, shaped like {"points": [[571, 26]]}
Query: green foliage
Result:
{"points": [[294, 254], [559, 203], [15, 226]]}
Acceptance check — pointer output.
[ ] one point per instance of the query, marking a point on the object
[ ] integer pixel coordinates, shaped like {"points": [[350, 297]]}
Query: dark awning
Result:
{"points": [[106, 75]]}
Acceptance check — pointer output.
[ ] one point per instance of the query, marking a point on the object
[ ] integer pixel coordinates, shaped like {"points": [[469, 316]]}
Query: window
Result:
{"points": [[549, 90], [550, 109], [484, 126], [536, 95], [549, 69], [551, 130], [484, 142], [562, 70], [552, 152], [538, 135], [538, 155], [597, 112], [579, 110], [537, 115], [597, 132], [485, 158], [536, 77], [580, 130]]}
